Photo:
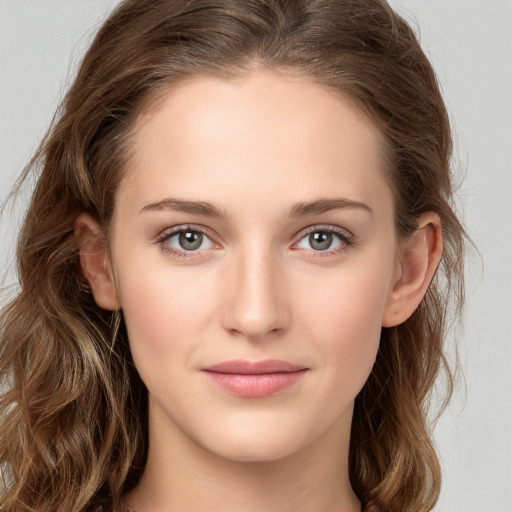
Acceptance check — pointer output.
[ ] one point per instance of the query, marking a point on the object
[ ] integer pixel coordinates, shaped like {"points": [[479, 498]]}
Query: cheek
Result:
{"points": [[164, 312], [344, 315]]}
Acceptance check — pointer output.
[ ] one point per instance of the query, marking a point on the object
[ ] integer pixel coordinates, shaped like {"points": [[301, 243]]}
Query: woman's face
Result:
{"points": [[254, 253]]}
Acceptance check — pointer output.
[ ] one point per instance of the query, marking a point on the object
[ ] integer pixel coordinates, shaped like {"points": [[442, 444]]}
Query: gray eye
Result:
{"points": [[320, 240], [190, 240], [187, 240]]}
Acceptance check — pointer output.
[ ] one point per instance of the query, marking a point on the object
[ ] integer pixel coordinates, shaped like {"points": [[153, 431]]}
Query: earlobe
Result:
{"points": [[95, 262], [420, 255]]}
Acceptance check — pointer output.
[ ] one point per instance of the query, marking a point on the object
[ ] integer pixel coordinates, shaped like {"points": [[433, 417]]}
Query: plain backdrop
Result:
{"points": [[470, 44]]}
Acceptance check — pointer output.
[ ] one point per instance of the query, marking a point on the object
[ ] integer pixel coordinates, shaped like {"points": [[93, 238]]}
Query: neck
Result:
{"points": [[180, 475]]}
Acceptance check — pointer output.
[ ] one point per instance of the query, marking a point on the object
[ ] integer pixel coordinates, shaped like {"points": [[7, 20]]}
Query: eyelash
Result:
{"points": [[167, 235], [345, 237]]}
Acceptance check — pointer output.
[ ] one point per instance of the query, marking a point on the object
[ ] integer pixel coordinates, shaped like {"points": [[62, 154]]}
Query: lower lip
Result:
{"points": [[255, 385]]}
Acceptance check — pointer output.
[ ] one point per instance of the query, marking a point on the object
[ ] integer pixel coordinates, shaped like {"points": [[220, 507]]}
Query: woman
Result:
{"points": [[236, 268]]}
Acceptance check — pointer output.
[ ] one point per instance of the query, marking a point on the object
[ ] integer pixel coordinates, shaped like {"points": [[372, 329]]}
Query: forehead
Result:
{"points": [[251, 135]]}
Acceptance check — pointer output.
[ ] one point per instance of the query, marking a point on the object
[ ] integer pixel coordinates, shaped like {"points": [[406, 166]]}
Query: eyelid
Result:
{"points": [[346, 237], [168, 233], [331, 228]]}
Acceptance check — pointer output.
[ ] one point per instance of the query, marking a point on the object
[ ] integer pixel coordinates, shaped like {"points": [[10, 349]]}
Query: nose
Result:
{"points": [[256, 306]]}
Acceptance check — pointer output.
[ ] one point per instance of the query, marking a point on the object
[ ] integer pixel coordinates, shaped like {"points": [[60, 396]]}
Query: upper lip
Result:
{"points": [[243, 367]]}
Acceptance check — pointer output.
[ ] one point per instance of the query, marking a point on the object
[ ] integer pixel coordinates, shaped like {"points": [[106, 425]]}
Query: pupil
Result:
{"points": [[190, 240], [320, 240]]}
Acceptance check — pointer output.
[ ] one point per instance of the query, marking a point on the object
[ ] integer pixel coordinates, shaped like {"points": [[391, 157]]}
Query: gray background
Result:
{"points": [[470, 45]]}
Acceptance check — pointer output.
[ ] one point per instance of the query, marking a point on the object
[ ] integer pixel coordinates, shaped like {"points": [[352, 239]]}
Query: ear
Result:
{"points": [[95, 262], [420, 255]]}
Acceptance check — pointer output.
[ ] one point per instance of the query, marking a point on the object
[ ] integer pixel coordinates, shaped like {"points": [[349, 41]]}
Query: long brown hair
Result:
{"points": [[73, 410]]}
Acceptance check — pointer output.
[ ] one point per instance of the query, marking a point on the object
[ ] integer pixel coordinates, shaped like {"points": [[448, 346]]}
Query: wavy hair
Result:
{"points": [[73, 410]]}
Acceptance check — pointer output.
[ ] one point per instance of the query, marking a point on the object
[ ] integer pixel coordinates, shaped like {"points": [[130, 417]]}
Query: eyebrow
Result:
{"points": [[300, 209], [325, 205], [180, 205]]}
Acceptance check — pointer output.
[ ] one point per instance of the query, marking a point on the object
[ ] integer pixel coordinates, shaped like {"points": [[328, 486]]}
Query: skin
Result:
{"points": [[257, 288]]}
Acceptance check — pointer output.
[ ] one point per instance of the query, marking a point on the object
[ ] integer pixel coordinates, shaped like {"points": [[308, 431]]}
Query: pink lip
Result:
{"points": [[255, 379]]}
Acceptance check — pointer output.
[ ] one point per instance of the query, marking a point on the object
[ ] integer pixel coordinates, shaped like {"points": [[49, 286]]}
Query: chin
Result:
{"points": [[255, 450], [244, 443]]}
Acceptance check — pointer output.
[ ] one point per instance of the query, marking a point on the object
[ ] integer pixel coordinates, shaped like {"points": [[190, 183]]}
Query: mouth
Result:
{"points": [[255, 379]]}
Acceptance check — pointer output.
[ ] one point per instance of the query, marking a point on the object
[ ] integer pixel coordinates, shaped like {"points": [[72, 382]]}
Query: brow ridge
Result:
{"points": [[324, 205], [193, 207], [299, 209]]}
